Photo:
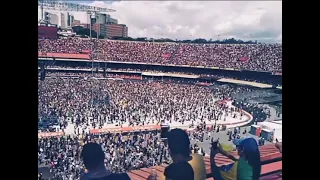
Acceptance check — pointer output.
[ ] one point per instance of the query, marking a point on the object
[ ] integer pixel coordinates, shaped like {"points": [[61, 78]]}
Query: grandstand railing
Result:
{"points": [[63, 55], [87, 57]]}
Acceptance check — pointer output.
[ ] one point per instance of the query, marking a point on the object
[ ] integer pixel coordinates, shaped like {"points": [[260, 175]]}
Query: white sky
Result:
{"points": [[246, 20]]}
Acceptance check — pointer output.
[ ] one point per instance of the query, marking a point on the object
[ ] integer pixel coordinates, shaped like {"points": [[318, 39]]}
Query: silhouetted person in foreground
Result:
{"points": [[179, 146], [179, 171], [93, 159]]}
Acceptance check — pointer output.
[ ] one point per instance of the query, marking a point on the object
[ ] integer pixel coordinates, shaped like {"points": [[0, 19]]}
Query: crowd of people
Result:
{"points": [[124, 103], [122, 152], [132, 103], [257, 57], [75, 105]]}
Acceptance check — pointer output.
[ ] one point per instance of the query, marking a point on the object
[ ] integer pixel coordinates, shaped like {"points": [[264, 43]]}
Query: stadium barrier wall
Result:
{"points": [[50, 134]]}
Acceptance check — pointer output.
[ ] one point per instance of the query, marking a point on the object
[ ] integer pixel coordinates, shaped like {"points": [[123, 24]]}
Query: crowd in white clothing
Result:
{"points": [[131, 103]]}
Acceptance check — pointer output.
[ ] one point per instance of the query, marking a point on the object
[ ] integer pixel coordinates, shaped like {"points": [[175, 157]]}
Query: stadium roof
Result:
{"points": [[271, 125], [262, 96], [248, 83], [170, 75]]}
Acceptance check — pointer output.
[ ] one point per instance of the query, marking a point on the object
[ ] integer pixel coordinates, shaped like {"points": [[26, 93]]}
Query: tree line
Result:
{"points": [[84, 32]]}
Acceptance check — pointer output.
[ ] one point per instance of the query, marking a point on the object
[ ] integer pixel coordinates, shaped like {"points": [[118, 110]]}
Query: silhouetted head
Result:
{"points": [[179, 143], [92, 156]]}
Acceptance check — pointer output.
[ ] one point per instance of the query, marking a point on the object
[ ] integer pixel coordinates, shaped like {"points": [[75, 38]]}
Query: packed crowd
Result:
{"points": [[122, 152], [130, 103], [133, 103], [257, 57]]}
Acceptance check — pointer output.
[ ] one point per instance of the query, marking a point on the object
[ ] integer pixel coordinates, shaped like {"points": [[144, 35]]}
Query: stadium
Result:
{"points": [[125, 95]]}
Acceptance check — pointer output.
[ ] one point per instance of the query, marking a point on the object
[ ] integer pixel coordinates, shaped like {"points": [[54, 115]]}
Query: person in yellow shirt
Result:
{"points": [[179, 147], [246, 167]]}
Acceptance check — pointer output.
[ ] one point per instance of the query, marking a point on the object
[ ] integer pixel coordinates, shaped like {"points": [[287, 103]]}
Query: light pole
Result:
{"points": [[91, 14], [92, 53]]}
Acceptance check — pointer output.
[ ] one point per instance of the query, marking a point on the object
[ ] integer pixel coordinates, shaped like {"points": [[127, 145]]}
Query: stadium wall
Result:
{"points": [[262, 76]]}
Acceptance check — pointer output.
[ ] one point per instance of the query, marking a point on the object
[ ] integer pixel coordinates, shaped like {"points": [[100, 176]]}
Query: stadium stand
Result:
{"points": [[254, 57], [55, 91]]}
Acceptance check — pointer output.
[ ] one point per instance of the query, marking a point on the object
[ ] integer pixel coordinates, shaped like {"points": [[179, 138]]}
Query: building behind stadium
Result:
{"points": [[103, 24]]}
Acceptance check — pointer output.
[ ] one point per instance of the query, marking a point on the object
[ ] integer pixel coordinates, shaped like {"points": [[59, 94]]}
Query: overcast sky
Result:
{"points": [[256, 20]]}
